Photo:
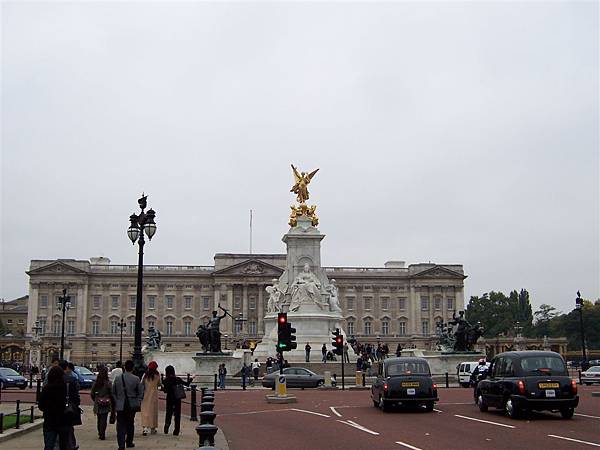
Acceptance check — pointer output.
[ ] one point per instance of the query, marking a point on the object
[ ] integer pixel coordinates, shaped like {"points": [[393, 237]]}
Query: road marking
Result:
{"points": [[464, 403], [585, 415], [407, 445], [255, 412], [309, 412], [437, 410], [334, 411], [574, 440], [484, 421], [358, 427]]}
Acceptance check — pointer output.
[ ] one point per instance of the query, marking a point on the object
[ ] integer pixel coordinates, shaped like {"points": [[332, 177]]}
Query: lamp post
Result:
{"points": [[139, 224], [579, 306], [122, 324], [64, 303]]}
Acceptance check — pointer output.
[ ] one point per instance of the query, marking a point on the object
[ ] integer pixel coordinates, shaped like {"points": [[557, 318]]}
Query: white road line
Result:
{"points": [[334, 411], [437, 410], [358, 427], [309, 412], [585, 415], [255, 412], [407, 445], [574, 440], [484, 421]]}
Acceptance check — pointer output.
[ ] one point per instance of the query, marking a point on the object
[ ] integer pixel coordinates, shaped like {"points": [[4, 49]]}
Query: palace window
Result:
{"points": [[96, 301], [169, 301], [402, 328], [350, 328], [385, 327], [402, 303], [367, 327], [114, 327], [130, 327], [169, 328], [425, 327], [187, 328], [350, 303], [252, 327], [384, 304], [114, 299], [450, 301], [132, 301], [237, 302], [70, 327], [424, 303], [151, 301], [367, 303], [188, 301], [43, 301], [252, 302], [42, 326], [206, 303], [238, 327], [56, 328], [150, 323], [95, 328], [437, 303]]}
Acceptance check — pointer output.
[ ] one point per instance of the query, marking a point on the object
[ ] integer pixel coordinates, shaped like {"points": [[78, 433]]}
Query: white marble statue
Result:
{"points": [[334, 303], [275, 297], [305, 289]]}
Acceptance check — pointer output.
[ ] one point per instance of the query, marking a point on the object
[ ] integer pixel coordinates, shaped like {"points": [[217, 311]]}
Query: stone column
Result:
{"points": [[82, 303], [412, 309], [32, 307], [245, 309], [460, 298], [260, 322]]}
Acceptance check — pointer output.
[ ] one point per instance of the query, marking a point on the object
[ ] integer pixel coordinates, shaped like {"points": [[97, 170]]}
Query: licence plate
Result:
{"points": [[411, 391], [550, 393], [410, 384], [548, 385]]}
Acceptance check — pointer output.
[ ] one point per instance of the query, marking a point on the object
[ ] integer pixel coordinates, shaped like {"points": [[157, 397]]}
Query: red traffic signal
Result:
{"points": [[338, 342], [282, 318]]}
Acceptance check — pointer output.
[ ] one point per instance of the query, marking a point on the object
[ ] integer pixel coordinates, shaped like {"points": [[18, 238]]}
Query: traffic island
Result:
{"points": [[279, 399], [595, 394]]}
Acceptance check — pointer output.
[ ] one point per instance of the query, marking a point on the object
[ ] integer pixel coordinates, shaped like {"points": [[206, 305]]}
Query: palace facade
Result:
{"points": [[392, 304]]}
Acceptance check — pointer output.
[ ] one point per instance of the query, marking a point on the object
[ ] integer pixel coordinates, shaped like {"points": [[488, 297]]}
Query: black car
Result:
{"points": [[405, 381], [528, 381]]}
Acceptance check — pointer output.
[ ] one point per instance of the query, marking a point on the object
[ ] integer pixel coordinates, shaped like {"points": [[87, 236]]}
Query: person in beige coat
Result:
{"points": [[151, 381]]}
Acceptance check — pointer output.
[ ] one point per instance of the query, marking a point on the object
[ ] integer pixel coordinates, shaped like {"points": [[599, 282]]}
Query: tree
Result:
{"points": [[543, 318]]}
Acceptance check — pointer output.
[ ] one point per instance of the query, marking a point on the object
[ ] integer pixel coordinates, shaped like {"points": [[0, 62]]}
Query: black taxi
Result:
{"points": [[404, 380], [526, 381]]}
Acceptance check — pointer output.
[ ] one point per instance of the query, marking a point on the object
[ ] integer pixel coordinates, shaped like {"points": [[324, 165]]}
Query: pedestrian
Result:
{"points": [[255, 369], [52, 404], [307, 348], [101, 394], [128, 393], [54, 363], [116, 372], [72, 381], [269, 364], [324, 351], [245, 374], [173, 387], [399, 350], [222, 375], [334, 380], [359, 363], [151, 382], [346, 356]]}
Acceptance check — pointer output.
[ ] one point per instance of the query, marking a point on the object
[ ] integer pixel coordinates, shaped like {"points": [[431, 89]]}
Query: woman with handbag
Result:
{"points": [[173, 387], [151, 382], [52, 403], [103, 401]]}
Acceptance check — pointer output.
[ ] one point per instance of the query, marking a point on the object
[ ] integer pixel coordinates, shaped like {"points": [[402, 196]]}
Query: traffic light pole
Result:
{"points": [[343, 357]]}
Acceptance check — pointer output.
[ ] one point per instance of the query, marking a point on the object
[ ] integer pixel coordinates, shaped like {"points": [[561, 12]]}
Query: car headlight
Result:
{"points": [[9, 379]]}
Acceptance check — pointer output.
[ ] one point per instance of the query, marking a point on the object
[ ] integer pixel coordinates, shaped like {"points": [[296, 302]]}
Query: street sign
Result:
{"points": [[281, 386]]}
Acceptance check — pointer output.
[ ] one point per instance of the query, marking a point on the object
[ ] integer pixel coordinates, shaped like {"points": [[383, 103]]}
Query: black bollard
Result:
{"points": [[447, 381], [30, 380], [38, 389], [208, 399], [193, 410], [207, 417], [215, 382], [189, 379], [207, 406], [363, 379], [206, 434]]}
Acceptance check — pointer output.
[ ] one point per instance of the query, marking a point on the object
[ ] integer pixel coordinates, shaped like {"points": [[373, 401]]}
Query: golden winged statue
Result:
{"points": [[301, 182]]}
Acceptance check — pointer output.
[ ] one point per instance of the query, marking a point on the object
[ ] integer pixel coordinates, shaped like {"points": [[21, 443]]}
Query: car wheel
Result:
{"points": [[429, 406], [383, 405], [320, 383], [511, 409], [1, 385], [567, 413], [465, 385], [588, 384], [22, 387], [483, 407]]}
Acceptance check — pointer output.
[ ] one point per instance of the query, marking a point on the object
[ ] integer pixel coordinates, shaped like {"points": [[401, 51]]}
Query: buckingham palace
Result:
{"points": [[393, 304]]}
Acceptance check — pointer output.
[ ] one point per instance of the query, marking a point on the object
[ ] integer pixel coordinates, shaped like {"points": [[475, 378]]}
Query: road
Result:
{"points": [[332, 420]]}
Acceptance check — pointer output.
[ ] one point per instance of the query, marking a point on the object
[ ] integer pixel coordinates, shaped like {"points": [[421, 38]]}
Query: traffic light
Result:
{"points": [[338, 342], [285, 334]]}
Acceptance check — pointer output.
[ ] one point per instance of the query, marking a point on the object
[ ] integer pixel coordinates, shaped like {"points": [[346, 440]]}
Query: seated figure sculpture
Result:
{"points": [[305, 289]]}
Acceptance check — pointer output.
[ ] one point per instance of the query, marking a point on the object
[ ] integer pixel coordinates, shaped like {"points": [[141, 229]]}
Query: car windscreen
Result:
{"points": [[594, 369], [407, 368], [8, 372], [85, 371], [543, 365]]}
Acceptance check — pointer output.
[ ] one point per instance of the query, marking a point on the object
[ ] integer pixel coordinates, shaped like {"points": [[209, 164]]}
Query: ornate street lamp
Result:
{"points": [[64, 303], [122, 324], [139, 224], [579, 306]]}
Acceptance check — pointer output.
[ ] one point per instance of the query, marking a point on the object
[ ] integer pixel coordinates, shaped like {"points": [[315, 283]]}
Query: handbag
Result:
{"points": [[104, 402], [179, 392], [72, 411], [132, 404]]}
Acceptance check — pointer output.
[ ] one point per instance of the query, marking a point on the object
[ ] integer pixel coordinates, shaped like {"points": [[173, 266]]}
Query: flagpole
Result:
{"points": [[250, 231]]}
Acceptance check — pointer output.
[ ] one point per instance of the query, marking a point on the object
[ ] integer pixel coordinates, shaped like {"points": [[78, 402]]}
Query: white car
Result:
{"points": [[464, 371], [592, 375]]}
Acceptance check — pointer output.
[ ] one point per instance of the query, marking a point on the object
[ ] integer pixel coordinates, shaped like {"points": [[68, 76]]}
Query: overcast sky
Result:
{"points": [[457, 133]]}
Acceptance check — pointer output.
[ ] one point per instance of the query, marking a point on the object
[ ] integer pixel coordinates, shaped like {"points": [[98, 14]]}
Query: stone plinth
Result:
{"points": [[440, 363], [281, 398], [202, 366]]}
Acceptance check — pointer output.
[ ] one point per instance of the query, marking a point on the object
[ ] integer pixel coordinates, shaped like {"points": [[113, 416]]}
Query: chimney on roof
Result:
{"points": [[395, 264], [100, 260]]}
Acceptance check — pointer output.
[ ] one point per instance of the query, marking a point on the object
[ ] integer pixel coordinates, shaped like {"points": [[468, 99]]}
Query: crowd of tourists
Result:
{"points": [[117, 395]]}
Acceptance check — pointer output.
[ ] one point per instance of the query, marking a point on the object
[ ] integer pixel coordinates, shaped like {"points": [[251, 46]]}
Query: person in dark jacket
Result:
{"points": [[72, 382], [173, 403], [52, 403], [101, 394]]}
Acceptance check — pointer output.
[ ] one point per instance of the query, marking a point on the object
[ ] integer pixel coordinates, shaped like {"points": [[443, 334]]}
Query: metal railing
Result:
{"points": [[21, 416]]}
